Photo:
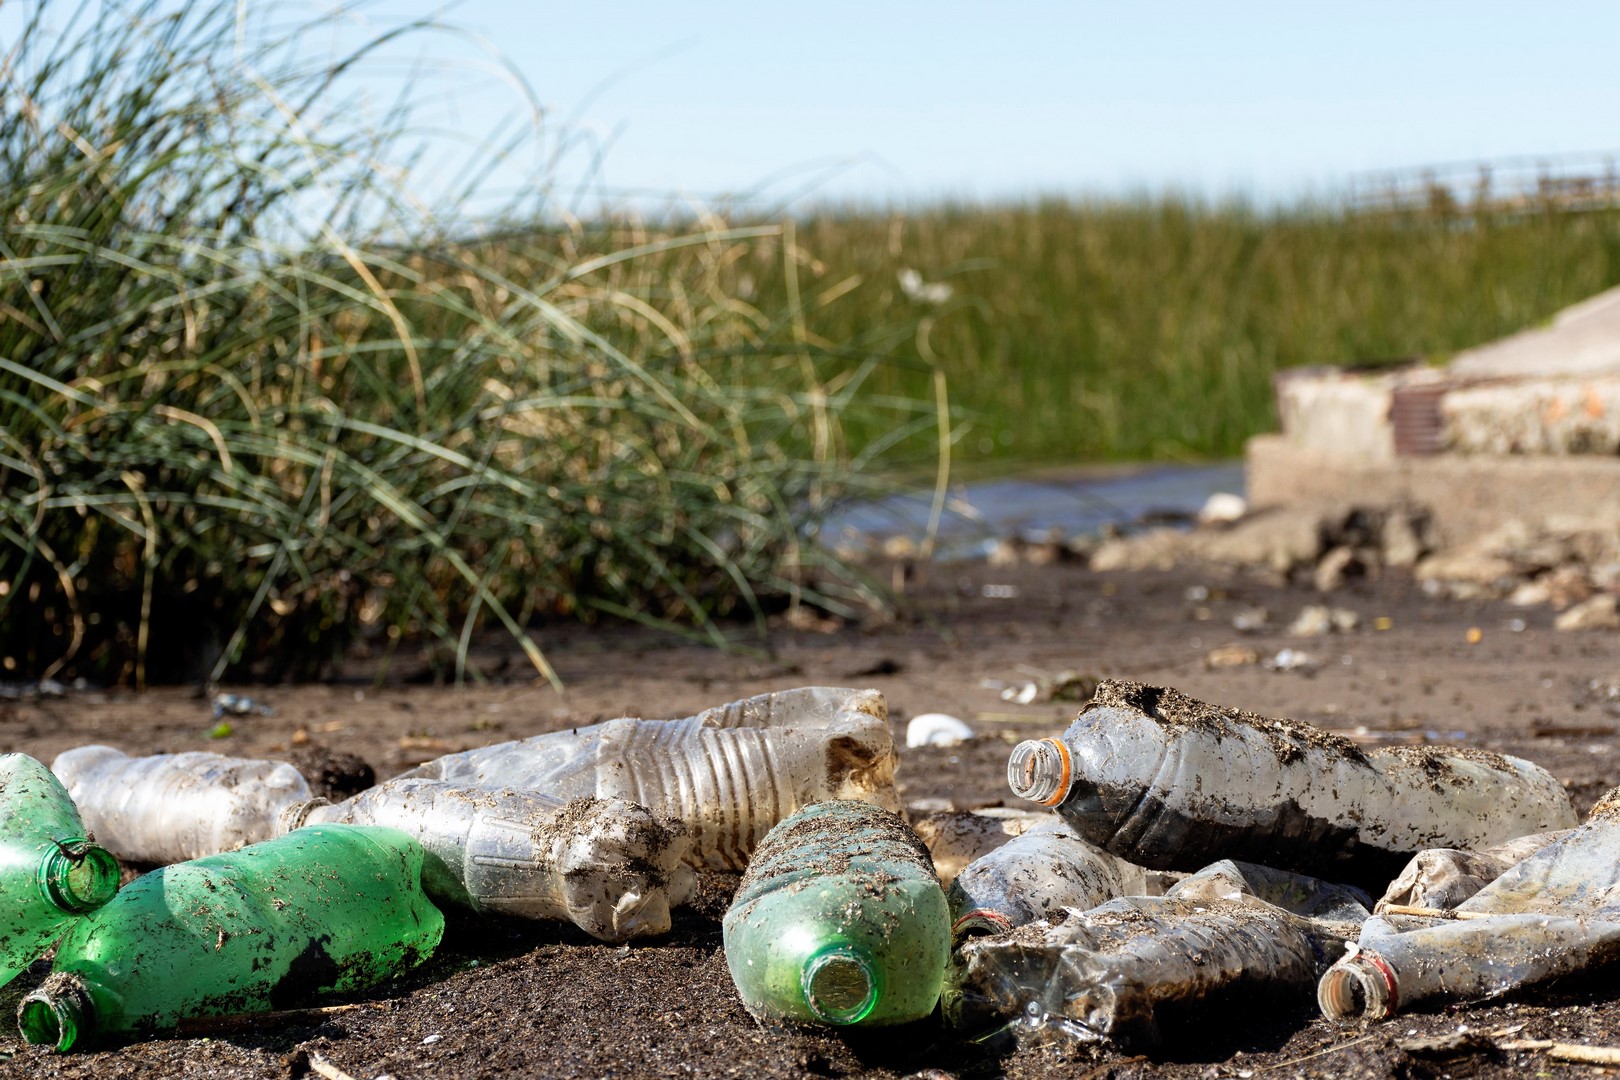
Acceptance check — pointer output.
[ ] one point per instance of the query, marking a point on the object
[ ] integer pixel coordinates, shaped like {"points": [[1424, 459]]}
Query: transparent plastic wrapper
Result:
{"points": [[1168, 782], [1442, 878], [324, 909], [1037, 875], [172, 807], [1556, 912], [50, 873], [956, 838], [608, 866], [1123, 970], [839, 920], [729, 773]]}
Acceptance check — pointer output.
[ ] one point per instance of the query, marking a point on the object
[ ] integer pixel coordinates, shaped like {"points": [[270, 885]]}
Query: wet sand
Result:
{"points": [[510, 998]]}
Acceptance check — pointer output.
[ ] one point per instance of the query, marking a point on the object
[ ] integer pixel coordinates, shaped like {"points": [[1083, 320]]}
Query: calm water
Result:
{"points": [[976, 515]]}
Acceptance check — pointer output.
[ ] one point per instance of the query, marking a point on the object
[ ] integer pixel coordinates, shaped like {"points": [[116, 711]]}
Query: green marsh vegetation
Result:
{"points": [[262, 409], [1073, 331], [258, 406]]}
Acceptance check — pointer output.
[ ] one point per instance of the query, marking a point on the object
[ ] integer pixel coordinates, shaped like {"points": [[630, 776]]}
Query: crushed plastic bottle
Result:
{"points": [[1297, 894], [1168, 782], [328, 908], [839, 920], [50, 873], [729, 773], [1442, 878], [1120, 971], [956, 838], [1037, 875], [1554, 913], [608, 866], [168, 808]]}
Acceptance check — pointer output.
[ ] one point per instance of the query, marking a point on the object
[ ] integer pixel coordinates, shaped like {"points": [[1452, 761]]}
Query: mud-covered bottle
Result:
{"points": [[839, 920], [729, 773], [1035, 875], [1172, 783], [50, 874], [167, 808], [610, 867], [327, 908], [1554, 913]]}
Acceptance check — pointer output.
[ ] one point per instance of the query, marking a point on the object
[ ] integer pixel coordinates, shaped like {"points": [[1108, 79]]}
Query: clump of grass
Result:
{"points": [[1151, 329], [256, 407]]}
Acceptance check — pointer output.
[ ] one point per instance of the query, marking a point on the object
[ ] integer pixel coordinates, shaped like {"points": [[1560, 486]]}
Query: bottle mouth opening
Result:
{"points": [[47, 1018], [1358, 987], [1040, 770], [978, 922], [840, 985], [78, 876]]}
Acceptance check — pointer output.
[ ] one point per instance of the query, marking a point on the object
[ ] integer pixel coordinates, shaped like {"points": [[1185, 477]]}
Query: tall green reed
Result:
{"points": [[256, 405]]}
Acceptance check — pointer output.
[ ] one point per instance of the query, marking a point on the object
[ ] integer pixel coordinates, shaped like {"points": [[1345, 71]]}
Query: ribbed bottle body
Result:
{"points": [[728, 774]]}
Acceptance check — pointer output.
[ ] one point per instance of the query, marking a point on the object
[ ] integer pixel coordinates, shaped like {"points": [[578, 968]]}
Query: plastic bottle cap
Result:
{"points": [[1040, 770], [77, 875], [840, 985]]}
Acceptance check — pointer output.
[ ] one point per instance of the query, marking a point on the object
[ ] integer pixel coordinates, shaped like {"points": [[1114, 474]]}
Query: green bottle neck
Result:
{"points": [[60, 1013], [78, 876], [841, 984]]}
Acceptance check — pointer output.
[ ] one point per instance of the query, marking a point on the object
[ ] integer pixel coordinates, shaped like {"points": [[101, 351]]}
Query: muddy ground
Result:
{"points": [[506, 998]]}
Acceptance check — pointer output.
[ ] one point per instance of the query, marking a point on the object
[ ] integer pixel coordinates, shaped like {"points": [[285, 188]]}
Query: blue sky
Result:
{"points": [[913, 101]]}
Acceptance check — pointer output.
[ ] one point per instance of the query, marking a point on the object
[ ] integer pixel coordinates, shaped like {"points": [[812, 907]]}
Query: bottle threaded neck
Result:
{"points": [[78, 876], [57, 1014], [1358, 987], [841, 985], [1040, 770]]}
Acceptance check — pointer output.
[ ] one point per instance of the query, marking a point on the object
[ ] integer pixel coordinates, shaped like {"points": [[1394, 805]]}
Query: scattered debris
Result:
{"points": [[936, 729]]}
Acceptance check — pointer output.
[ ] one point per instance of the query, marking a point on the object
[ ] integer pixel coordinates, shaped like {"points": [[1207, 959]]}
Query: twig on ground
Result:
{"points": [[1586, 1055], [325, 1068], [1432, 913]]}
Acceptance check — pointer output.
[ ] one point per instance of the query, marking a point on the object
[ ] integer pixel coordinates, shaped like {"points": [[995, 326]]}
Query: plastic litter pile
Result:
{"points": [[1174, 852]]}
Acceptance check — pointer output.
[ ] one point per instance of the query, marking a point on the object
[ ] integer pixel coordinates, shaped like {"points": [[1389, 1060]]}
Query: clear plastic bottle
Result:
{"points": [[610, 867], [729, 773], [839, 920], [1554, 913], [1171, 783], [50, 874], [172, 807], [328, 908], [1038, 874], [1116, 971]]}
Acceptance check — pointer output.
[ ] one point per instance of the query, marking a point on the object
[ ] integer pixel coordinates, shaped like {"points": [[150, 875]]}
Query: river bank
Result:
{"points": [[507, 998]]}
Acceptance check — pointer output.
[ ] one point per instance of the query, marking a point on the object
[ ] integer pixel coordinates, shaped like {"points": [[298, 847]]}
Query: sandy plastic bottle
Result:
{"points": [[1554, 913], [328, 908], [839, 920], [171, 807], [610, 867], [1116, 971], [50, 874], [1168, 782], [728, 773], [1038, 874]]}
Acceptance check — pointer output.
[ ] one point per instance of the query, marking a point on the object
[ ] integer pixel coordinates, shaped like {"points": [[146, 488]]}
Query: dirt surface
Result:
{"points": [[507, 998]]}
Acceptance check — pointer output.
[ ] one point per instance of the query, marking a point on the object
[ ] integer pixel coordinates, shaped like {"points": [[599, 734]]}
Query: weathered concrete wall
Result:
{"points": [[1467, 495]]}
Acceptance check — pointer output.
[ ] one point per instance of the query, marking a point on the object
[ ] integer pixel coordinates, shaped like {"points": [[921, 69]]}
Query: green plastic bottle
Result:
{"points": [[839, 920], [50, 874], [327, 908]]}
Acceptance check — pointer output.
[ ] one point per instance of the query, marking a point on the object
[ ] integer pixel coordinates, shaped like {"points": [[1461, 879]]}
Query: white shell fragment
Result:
{"points": [[936, 729]]}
